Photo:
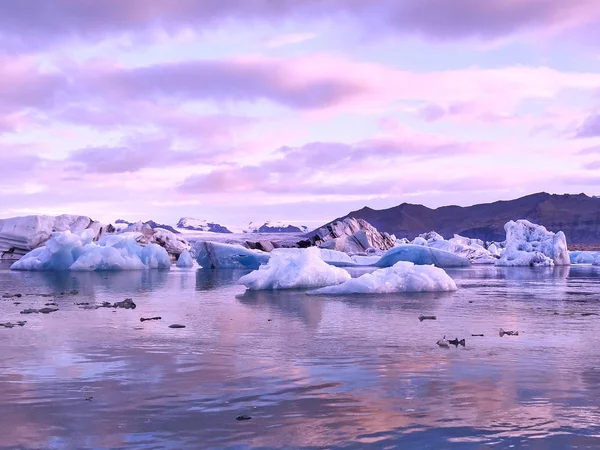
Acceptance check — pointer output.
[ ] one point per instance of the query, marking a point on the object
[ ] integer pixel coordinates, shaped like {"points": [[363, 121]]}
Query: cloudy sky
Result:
{"points": [[296, 110]]}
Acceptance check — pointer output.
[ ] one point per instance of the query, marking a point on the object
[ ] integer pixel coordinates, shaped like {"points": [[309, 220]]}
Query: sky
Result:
{"points": [[300, 111]]}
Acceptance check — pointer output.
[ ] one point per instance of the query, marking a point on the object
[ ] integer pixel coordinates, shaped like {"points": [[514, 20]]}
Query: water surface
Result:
{"points": [[312, 372]]}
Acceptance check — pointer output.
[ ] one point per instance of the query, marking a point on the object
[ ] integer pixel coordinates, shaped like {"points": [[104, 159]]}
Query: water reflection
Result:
{"points": [[311, 371]]}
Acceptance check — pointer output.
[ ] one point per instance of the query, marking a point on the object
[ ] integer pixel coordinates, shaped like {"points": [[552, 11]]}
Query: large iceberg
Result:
{"points": [[304, 269], [20, 235], [528, 244], [352, 236], [70, 251], [421, 255], [173, 243], [471, 249], [401, 277]]}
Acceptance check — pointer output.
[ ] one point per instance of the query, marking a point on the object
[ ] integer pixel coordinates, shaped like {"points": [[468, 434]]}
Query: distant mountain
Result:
{"points": [[577, 215], [188, 223], [151, 223], [275, 227]]}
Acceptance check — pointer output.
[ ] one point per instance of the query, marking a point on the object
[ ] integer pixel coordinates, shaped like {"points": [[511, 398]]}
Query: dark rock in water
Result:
{"points": [[422, 318], [51, 304], [477, 335], [242, 418], [12, 296], [143, 319], [16, 303], [508, 333], [589, 314], [82, 304], [40, 311], [89, 399], [125, 304], [176, 325], [12, 325], [456, 342]]}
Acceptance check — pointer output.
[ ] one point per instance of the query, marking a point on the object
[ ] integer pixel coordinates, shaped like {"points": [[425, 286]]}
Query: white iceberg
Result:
{"points": [[401, 277], [185, 260], [528, 244], [20, 235], [294, 270], [70, 251], [352, 236], [421, 255], [471, 249]]}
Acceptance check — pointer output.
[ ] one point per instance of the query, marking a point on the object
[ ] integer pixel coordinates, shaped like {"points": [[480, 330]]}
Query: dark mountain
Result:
{"points": [[577, 215]]}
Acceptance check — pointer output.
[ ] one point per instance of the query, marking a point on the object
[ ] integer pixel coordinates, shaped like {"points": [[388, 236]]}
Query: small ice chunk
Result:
{"points": [[295, 270], [401, 277], [185, 260]]}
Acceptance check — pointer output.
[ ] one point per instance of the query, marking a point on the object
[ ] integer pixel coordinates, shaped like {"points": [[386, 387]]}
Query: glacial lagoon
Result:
{"points": [[310, 372]]}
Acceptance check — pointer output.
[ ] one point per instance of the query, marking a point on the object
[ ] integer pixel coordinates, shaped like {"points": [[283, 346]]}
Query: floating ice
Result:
{"points": [[528, 244], [185, 260], [421, 255], [302, 269], [215, 255], [583, 257], [70, 251], [471, 249], [401, 277]]}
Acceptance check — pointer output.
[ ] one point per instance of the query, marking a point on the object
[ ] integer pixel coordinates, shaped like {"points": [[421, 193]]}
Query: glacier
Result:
{"points": [[303, 269], [528, 244], [421, 255], [77, 252], [401, 277]]}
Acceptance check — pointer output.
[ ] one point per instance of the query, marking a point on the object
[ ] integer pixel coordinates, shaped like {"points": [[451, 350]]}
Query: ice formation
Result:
{"points": [[352, 236], [401, 277], [173, 243], [421, 255], [528, 244], [584, 257], [20, 235], [185, 260], [216, 255], [70, 251], [304, 269], [471, 249]]}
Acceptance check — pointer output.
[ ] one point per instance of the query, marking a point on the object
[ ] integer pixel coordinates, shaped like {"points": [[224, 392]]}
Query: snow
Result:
{"points": [[419, 241], [421, 255], [69, 251], [20, 235], [275, 227], [528, 244], [304, 269], [216, 255], [191, 224], [185, 260], [401, 277]]}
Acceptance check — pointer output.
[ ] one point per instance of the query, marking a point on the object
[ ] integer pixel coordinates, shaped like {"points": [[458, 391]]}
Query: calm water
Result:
{"points": [[353, 372]]}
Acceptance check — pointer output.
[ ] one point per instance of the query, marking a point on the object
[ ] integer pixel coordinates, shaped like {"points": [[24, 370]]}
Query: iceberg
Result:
{"points": [[304, 269], [173, 243], [185, 260], [583, 257], [471, 249], [77, 252], [421, 255], [216, 255], [352, 236], [20, 235], [401, 277], [528, 244]]}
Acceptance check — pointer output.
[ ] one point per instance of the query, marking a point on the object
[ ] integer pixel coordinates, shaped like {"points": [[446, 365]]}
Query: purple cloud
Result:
{"points": [[38, 23], [590, 127]]}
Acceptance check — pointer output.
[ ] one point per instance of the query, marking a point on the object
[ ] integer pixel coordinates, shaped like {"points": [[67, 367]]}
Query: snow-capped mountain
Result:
{"points": [[121, 224], [191, 224], [275, 227]]}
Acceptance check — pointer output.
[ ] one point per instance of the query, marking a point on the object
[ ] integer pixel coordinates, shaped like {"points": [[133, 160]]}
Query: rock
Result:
{"points": [[508, 333], [242, 418], [176, 325], [477, 335], [589, 314], [422, 318], [51, 304], [125, 304], [143, 319], [47, 310], [29, 311], [456, 342]]}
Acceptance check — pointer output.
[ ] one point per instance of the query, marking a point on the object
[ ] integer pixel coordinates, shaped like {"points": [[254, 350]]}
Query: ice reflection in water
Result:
{"points": [[312, 371]]}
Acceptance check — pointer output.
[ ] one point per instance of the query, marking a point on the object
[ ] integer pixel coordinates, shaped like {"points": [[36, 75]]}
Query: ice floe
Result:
{"points": [[185, 260], [528, 244], [401, 277], [303, 269], [421, 255], [70, 251]]}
